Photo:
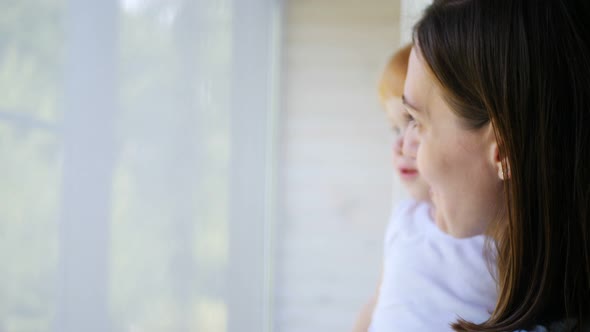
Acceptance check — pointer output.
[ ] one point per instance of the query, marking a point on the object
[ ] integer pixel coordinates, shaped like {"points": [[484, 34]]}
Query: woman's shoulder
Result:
{"points": [[538, 328], [567, 325]]}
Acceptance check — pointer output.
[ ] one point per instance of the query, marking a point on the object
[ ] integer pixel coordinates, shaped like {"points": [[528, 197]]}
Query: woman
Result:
{"points": [[428, 278], [500, 95]]}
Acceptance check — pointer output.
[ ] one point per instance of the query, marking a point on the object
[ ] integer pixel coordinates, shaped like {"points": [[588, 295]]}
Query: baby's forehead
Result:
{"points": [[395, 111]]}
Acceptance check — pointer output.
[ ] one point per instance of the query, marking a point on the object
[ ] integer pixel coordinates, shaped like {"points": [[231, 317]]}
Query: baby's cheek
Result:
{"points": [[395, 159]]}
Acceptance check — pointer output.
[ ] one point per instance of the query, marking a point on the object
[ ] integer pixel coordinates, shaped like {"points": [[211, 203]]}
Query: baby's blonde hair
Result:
{"points": [[394, 74]]}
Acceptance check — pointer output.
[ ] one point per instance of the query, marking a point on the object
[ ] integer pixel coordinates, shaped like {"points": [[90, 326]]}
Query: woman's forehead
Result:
{"points": [[419, 85]]}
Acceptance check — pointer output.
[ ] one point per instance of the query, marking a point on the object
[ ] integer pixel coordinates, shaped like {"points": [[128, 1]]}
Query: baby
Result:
{"points": [[429, 278]]}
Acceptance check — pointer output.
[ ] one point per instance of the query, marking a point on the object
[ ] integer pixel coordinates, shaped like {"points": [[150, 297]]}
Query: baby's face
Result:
{"points": [[405, 146]]}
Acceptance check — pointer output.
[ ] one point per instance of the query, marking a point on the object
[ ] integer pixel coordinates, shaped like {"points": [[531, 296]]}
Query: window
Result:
{"points": [[137, 165]]}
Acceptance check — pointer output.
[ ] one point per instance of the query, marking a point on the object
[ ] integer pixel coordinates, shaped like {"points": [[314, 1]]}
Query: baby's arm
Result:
{"points": [[365, 316], [363, 320]]}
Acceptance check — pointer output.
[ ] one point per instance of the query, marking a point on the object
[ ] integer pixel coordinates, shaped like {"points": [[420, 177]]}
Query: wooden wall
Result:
{"points": [[335, 161]]}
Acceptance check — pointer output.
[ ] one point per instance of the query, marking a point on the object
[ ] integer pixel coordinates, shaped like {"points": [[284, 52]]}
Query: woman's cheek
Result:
{"points": [[424, 161]]}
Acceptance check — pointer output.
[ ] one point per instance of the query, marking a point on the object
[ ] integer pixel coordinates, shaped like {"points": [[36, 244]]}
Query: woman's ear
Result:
{"points": [[500, 163]]}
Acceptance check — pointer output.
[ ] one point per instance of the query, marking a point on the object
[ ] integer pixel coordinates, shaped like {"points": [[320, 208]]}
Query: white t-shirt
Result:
{"points": [[429, 277]]}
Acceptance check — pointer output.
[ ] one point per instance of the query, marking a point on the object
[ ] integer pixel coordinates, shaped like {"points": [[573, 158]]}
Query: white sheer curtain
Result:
{"points": [[137, 164]]}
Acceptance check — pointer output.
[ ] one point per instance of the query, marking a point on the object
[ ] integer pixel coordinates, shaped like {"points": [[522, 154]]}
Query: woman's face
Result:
{"points": [[459, 164], [405, 147]]}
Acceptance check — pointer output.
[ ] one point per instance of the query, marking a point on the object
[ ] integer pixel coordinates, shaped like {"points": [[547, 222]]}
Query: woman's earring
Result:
{"points": [[504, 175]]}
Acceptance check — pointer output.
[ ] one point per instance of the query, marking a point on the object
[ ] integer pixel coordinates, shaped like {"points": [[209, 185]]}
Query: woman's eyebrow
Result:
{"points": [[408, 105]]}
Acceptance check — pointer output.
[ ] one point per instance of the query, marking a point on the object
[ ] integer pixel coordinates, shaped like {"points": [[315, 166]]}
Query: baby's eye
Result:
{"points": [[396, 130], [410, 120]]}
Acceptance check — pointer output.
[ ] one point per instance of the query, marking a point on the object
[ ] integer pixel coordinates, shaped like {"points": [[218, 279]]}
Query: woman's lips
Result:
{"points": [[408, 173]]}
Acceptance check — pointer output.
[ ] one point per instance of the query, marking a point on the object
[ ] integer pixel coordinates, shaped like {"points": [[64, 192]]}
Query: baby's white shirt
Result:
{"points": [[430, 278]]}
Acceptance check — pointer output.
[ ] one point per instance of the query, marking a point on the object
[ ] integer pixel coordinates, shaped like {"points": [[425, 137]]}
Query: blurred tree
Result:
{"points": [[168, 231], [31, 46]]}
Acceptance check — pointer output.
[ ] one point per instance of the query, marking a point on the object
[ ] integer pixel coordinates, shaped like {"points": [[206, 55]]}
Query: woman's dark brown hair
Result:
{"points": [[523, 66]]}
